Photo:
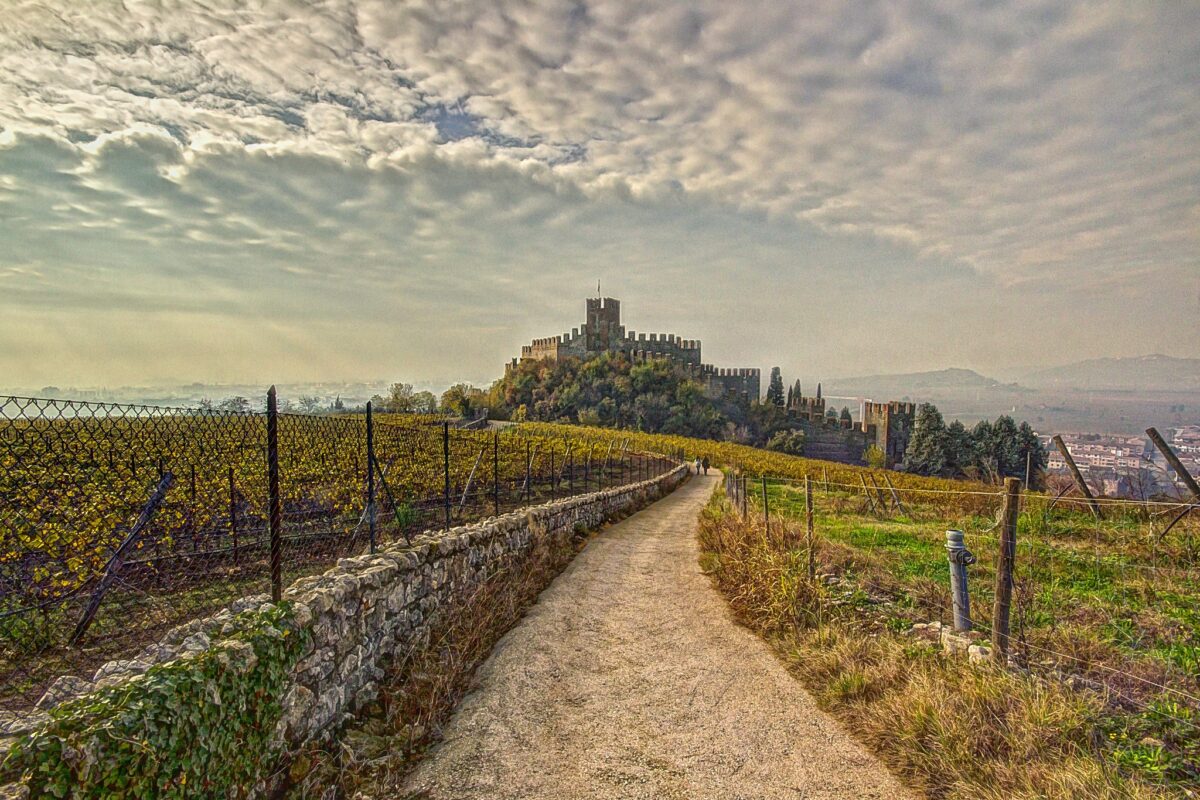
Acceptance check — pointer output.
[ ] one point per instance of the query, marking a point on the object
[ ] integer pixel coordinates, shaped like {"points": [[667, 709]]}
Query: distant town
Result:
{"points": [[1127, 466]]}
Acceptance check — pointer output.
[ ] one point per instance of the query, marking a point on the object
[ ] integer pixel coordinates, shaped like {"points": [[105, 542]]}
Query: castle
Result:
{"points": [[887, 426], [603, 332]]}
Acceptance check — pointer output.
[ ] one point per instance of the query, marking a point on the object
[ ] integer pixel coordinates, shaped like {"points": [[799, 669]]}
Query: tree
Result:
{"points": [[959, 453], [424, 403], [875, 457], [831, 414], [239, 404], [791, 442], [400, 398], [791, 396], [926, 452], [775, 388], [309, 404], [458, 399], [846, 418]]}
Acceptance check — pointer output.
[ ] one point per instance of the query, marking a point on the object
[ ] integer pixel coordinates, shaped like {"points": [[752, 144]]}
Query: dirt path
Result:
{"points": [[629, 679]]}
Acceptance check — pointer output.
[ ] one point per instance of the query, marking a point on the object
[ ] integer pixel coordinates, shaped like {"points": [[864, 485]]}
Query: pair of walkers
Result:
{"points": [[701, 463]]}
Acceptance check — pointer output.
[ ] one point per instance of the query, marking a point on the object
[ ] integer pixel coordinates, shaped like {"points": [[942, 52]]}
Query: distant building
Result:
{"points": [[602, 332]]}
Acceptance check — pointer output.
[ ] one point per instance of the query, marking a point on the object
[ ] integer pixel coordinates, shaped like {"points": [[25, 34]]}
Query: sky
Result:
{"points": [[288, 191]]}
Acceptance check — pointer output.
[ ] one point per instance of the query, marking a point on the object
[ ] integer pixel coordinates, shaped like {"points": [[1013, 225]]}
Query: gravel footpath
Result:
{"points": [[629, 679]]}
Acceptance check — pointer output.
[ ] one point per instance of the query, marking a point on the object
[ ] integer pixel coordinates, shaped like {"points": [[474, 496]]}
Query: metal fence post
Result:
{"points": [[960, 558], [528, 470], [1004, 570], [233, 521], [274, 507], [371, 476], [446, 471], [496, 473], [553, 474]]}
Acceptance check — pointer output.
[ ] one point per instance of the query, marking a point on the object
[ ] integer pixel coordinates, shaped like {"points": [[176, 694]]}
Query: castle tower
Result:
{"points": [[603, 331]]}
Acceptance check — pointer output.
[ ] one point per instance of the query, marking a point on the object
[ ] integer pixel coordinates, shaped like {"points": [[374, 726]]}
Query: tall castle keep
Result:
{"points": [[603, 332]]}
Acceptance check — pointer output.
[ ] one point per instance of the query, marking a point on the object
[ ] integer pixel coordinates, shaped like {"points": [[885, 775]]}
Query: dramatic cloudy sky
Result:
{"points": [[370, 188]]}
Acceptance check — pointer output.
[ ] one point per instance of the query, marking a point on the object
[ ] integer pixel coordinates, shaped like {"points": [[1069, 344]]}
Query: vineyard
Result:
{"points": [[119, 521]]}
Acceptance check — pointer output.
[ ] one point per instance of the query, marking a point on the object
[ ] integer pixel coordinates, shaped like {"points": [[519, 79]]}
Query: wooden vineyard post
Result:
{"points": [[867, 493], [1004, 570], [766, 507], [1174, 461], [808, 518], [1078, 476], [113, 567], [496, 474], [895, 496]]}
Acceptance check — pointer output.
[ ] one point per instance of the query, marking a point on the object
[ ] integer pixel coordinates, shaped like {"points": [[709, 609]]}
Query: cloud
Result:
{"points": [[195, 158]]}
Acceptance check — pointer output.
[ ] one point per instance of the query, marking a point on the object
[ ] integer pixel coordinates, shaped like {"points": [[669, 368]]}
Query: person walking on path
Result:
{"points": [[705, 462]]}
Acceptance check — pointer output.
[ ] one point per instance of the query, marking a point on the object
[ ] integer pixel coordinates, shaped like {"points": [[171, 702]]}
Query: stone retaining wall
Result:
{"points": [[368, 608]]}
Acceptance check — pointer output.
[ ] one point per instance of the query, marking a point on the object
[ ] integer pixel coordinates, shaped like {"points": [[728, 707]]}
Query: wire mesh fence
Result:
{"points": [[119, 521]]}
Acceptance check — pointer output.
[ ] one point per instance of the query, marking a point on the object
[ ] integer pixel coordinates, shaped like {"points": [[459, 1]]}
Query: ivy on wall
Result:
{"points": [[197, 726]]}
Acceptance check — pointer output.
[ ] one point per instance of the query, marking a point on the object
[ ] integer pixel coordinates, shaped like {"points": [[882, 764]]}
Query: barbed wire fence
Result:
{"points": [[120, 521]]}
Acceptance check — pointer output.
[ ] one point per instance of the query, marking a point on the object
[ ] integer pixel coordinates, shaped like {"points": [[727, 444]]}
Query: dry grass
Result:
{"points": [[371, 757], [949, 729]]}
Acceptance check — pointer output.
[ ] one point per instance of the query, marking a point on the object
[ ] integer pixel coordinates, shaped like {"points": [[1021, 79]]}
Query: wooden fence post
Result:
{"points": [[1174, 461], [766, 507], [808, 516], [1075, 473], [1004, 570]]}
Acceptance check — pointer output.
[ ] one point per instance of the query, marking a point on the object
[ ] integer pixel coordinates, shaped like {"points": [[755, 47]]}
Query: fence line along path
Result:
{"points": [[630, 679]]}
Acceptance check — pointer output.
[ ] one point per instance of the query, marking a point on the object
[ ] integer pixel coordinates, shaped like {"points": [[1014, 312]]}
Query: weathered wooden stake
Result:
{"points": [[1174, 461], [1075, 473], [766, 507], [808, 517], [1004, 570]]}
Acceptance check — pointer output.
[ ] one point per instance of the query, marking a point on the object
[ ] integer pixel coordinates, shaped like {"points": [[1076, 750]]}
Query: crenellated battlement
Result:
{"points": [[602, 331]]}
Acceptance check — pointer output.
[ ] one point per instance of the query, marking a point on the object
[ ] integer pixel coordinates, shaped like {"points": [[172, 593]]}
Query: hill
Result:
{"points": [[1155, 372], [914, 384]]}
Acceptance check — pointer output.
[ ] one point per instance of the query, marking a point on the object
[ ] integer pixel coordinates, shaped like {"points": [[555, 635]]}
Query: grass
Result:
{"points": [[372, 756], [958, 731]]}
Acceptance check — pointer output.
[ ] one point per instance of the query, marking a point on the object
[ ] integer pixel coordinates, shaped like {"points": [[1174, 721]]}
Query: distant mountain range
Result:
{"points": [[915, 384], [1157, 373], [1153, 373], [1104, 395]]}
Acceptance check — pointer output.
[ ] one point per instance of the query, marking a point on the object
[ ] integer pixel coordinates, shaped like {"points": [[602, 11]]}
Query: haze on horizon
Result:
{"points": [[323, 191]]}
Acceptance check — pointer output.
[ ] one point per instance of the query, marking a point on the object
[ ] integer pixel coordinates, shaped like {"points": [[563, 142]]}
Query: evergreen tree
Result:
{"points": [[959, 453], [791, 396], [796, 390], [1028, 445], [926, 453], [846, 418], [775, 388]]}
